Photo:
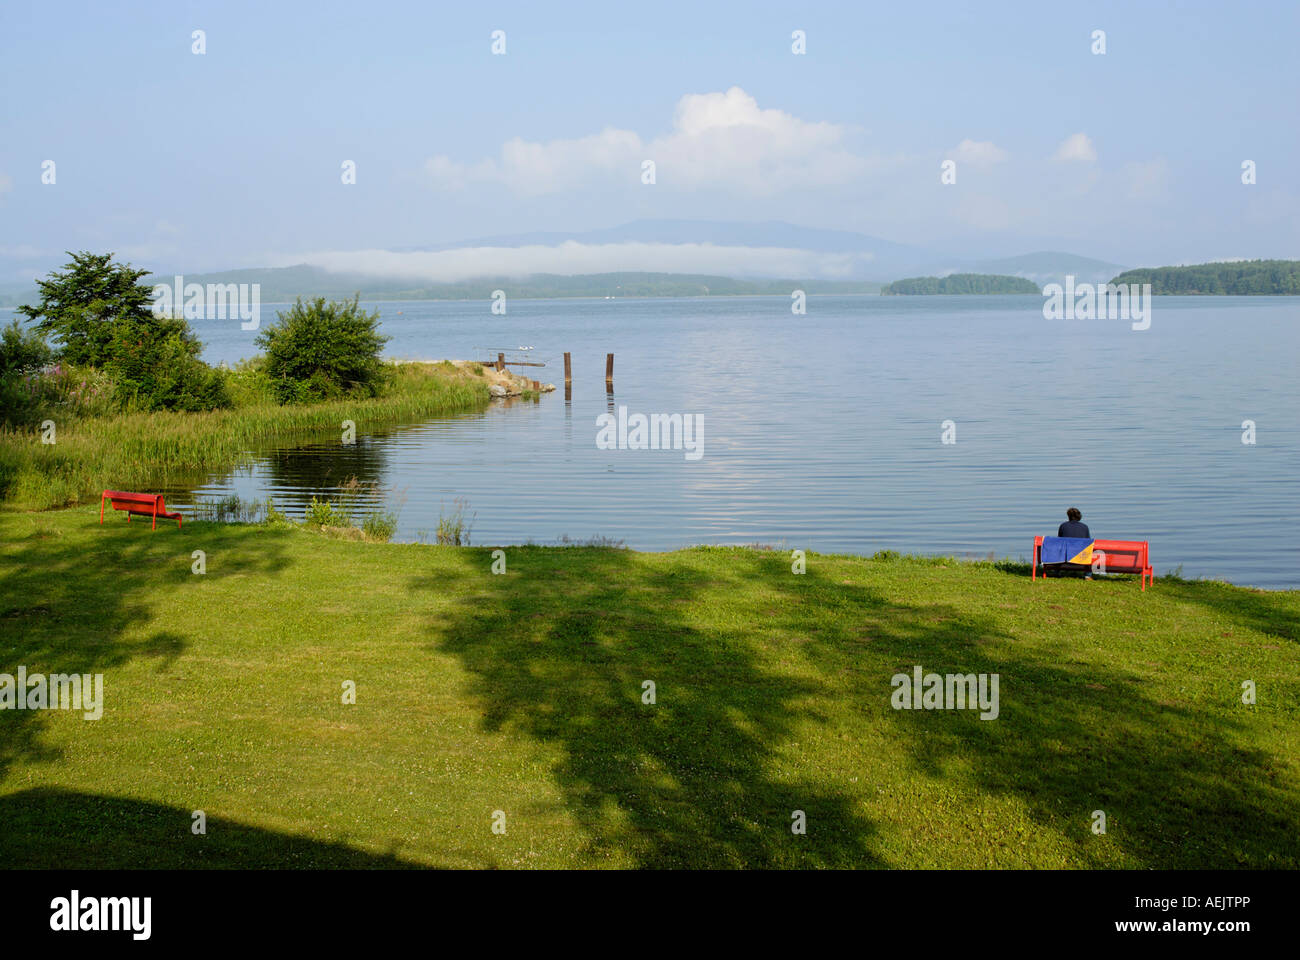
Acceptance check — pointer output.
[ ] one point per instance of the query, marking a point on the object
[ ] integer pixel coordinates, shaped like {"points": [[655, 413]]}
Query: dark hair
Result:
{"points": [[1074, 515]]}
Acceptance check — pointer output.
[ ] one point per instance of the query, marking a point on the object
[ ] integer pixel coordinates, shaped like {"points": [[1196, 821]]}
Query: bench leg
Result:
{"points": [[101, 511]]}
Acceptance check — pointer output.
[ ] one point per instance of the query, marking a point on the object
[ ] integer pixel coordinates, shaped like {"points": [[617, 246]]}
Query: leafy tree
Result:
{"points": [[22, 351], [102, 316], [322, 350], [80, 305]]}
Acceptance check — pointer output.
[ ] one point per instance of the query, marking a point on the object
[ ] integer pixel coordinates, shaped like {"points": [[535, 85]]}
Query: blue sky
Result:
{"points": [[233, 158]]}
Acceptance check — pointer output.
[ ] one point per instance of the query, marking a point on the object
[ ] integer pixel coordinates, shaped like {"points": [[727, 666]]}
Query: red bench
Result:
{"points": [[1117, 556], [141, 504]]}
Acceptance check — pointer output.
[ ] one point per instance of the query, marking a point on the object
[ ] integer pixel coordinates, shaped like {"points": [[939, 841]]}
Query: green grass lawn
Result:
{"points": [[522, 693]]}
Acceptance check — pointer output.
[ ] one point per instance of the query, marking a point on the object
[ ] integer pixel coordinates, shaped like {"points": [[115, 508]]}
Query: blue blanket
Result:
{"points": [[1066, 550]]}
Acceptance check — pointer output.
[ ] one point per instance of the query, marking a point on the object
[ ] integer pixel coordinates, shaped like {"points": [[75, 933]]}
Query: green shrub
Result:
{"points": [[156, 366], [248, 384], [22, 351], [323, 351], [322, 513], [273, 516], [380, 526]]}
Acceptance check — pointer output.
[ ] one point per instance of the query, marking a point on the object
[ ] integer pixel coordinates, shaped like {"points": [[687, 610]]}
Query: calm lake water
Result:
{"points": [[823, 431]]}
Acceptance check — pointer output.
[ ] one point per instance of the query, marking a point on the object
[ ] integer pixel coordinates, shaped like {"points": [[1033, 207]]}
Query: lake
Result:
{"points": [[824, 431]]}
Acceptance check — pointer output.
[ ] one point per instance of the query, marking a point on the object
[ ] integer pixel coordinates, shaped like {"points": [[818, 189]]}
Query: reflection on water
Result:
{"points": [[823, 431]]}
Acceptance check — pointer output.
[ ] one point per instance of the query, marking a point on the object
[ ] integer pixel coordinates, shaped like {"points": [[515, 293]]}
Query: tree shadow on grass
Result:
{"points": [[47, 829], [1269, 612], [69, 607], [701, 779], [1182, 785], [694, 780]]}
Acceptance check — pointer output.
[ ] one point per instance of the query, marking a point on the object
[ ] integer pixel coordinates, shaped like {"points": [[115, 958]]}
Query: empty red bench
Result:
{"points": [[141, 504], [1116, 556]]}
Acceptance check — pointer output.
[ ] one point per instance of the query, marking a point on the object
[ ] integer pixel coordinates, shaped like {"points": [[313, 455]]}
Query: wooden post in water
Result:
{"points": [[609, 370], [537, 387], [501, 362], [568, 369]]}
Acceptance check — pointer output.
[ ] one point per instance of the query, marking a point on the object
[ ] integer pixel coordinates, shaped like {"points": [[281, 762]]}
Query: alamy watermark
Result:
{"points": [[1101, 301], [58, 691], [216, 301], [952, 691], [75, 913], [658, 431]]}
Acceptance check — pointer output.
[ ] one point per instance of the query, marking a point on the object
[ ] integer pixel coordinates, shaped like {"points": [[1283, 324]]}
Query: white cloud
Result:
{"points": [[449, 266], [717, 140], [977, 153], [1076, 148]]}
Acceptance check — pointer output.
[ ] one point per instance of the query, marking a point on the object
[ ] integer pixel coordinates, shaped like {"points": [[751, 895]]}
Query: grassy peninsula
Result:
{"points": [[146, 449]]}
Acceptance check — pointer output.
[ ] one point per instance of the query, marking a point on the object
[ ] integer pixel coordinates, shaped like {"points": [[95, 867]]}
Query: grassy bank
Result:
{"points": [[144, 450], [522, 693]]}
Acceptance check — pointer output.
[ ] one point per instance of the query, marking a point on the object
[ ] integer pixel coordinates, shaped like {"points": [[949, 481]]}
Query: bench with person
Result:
{"points": [[139, 504], [1074, 549], [1106, 556]]}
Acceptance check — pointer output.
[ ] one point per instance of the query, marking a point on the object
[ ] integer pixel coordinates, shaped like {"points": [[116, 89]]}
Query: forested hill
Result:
{"points": [[962, 283], [1244, 277]]}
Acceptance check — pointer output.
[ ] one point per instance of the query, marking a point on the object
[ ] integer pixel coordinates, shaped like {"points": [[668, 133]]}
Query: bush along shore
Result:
{"points": [[118, 397]]}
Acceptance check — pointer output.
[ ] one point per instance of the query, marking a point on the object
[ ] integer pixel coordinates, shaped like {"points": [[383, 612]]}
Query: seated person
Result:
{"points": [[1073, 527]]}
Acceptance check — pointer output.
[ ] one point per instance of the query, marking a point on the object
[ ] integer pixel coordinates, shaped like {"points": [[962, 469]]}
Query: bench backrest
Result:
{"points": [[1122, 556], [133, 501]]}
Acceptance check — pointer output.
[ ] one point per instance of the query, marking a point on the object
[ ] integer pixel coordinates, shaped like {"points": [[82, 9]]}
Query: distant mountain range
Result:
{"points": [[865, 263], [282, 284], [880, 261]]}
